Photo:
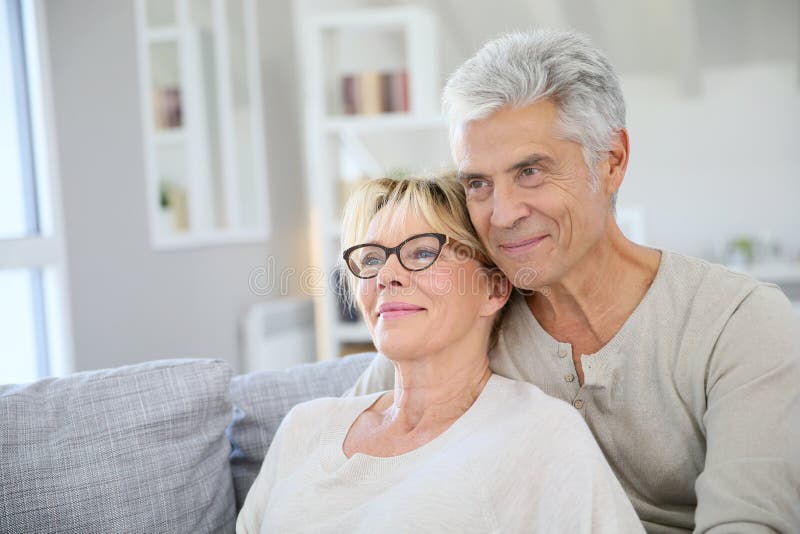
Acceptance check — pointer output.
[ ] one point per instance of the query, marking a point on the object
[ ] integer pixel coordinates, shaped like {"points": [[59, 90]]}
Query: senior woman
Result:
{"points": [[453, 447]]}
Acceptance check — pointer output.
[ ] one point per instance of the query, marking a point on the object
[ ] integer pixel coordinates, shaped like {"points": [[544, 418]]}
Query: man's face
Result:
{"points": [[529, 193]]}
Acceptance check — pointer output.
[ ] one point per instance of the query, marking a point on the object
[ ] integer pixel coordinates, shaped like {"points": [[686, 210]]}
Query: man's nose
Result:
{"points": [[507, 206]]}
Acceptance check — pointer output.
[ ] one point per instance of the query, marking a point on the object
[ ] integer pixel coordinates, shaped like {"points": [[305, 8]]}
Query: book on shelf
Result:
{"points": [[349, 94], [369, 84], [374, 92], [167, 112]]}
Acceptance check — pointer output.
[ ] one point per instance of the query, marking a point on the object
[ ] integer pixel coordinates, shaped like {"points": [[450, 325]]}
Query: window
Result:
{"points": [[33, 296]]}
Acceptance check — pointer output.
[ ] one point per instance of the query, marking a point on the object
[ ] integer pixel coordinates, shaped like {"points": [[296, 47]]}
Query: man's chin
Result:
{"points": [[524, 276]]}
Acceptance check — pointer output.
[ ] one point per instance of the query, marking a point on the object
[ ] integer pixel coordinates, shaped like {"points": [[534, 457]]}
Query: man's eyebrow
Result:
{"points": [[529, 161], [466, 176]]}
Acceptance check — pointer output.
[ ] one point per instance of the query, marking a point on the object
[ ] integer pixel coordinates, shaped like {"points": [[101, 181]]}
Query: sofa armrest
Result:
{"points": [[140, 448]]}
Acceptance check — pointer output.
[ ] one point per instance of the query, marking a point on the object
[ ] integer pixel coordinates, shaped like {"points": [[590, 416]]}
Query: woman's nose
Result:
{"points": [[391, 274]]}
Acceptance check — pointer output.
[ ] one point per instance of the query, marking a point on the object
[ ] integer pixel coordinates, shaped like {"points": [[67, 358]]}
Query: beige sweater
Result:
{"points": [[695, 402], [516, 461]]}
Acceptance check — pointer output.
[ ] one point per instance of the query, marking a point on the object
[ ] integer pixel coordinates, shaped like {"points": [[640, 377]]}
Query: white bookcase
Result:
{"points": [[344, 147], [202, 115]]}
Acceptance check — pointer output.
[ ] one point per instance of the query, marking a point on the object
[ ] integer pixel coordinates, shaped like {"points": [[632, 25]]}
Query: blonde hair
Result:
{"points": [[439, 200]]}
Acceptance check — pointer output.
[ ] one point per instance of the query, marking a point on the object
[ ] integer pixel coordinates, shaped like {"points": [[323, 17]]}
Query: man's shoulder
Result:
{"points": [[714, 314], [689, 275], [701, 277], [703, 292]]}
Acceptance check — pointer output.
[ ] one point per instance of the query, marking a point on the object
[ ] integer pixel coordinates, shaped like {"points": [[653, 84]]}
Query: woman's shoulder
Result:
{"points": [[310, 423], [527, 394], [528, 409], [328, 410]]}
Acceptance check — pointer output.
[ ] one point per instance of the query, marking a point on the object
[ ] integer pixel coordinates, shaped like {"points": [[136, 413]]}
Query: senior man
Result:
{"points": [[688, 374]]}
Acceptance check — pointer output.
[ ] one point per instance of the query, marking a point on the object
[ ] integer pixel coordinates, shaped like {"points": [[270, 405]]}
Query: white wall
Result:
{"points": [[723, 163], [130, 303]]}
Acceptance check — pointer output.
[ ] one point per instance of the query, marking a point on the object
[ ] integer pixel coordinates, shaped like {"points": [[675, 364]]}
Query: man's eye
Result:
{"points": [[477, 184], [530, 176]]}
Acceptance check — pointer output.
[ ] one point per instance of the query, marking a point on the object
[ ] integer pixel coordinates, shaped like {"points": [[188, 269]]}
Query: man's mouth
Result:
{"points": [[518, 247]]}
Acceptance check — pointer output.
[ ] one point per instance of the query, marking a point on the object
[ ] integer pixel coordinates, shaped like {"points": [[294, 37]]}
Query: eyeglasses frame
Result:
{"points": [[442, 238]]}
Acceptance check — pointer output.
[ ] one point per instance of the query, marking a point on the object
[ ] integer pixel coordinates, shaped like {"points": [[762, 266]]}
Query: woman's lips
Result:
{"points": [[393, 310], [398, 313], [521, 246]]}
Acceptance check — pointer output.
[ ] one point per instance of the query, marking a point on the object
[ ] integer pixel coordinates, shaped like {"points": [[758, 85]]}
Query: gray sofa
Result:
{"points": [[165, 446]]}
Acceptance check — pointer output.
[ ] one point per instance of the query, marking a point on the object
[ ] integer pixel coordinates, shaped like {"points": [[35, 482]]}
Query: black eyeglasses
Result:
{"points": [[416, 253]]}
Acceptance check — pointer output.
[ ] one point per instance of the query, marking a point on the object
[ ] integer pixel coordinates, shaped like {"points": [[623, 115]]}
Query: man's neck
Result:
{"points": [[591, 303]]}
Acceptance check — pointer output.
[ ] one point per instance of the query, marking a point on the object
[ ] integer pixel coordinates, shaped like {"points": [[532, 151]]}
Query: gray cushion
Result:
{"points": [[135, 449], [261, 400]]}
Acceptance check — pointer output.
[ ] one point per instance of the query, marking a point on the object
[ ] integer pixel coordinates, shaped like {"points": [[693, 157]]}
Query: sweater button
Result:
{"points": [[578, 404], [569, 377]]}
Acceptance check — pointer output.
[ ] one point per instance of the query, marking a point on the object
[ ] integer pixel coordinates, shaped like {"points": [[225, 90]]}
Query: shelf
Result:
{"points": [[197, 132], [170, 136], [383, 123], [382, 17], [194, 240], [353, 332], [166, 34], [342, 149]]}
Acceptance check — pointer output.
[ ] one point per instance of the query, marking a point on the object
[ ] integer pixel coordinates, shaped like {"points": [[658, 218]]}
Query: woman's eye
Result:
{"points": [[370, 261], [423, 253]]}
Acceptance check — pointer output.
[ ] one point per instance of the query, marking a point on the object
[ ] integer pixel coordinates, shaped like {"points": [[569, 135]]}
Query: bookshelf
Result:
{"points": [[203, 130], [391, 124]]}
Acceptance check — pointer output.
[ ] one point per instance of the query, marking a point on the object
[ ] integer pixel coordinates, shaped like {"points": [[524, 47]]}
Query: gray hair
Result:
{"points": [[520, 68]]}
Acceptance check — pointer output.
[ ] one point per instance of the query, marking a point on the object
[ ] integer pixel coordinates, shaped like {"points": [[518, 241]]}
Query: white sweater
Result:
{"points": [[516, 461]]}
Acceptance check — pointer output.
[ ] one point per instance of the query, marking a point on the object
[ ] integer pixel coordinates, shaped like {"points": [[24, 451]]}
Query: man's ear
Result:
{"points": [[499, 290], [617, 163]]}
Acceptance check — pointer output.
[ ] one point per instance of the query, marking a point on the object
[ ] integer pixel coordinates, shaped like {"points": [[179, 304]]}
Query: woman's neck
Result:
{"points": [[434, 391]]}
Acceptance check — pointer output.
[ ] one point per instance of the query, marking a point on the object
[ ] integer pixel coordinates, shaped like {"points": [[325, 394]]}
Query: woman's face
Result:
{"points": [[413, 314]]}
